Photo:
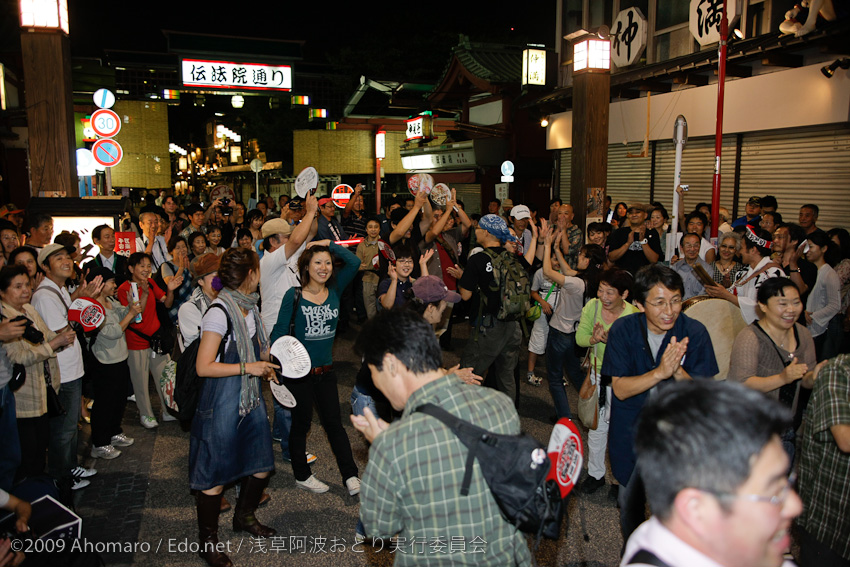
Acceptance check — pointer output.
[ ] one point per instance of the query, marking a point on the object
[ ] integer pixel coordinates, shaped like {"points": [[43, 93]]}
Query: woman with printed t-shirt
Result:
{"points": [[143, 360], [315, 322]]}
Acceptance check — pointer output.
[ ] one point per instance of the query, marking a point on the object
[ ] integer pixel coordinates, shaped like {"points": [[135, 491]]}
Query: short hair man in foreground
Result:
{"points": [[416, 465], [716, 477]]}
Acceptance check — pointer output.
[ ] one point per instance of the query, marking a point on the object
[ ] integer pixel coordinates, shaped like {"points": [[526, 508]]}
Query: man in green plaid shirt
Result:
{"points": [[411, 487], [825, 469]]}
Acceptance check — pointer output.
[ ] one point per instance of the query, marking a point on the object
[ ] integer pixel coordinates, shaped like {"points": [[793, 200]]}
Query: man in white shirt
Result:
{"points": [[149, 242], [52, 301], [716, 478], [283, 246]]}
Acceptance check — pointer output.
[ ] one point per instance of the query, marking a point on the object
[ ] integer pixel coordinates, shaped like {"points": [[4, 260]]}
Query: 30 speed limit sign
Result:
{"points": [[105, 123]]}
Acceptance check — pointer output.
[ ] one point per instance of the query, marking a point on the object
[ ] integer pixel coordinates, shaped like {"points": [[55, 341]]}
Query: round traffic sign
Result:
{"points": [[105, 123], [103, 98], [341, 194], [256, 165], [507, 168], [107, 152]]}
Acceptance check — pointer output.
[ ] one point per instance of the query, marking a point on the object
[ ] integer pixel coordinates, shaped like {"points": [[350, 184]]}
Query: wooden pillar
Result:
{"points": [[591, 95], [50, 112]]}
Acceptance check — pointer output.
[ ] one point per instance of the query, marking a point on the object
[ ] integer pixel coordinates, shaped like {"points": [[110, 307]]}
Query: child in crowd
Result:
{"points": [[545, 292], [366, 251]]}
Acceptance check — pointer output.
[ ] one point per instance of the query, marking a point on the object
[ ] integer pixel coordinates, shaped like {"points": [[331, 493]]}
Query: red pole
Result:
{"points": [[718, 137]]}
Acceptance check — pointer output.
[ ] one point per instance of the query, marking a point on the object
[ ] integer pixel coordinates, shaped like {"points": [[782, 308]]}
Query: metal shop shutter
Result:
{"points": [[470, 194], [798, 168], [628, 177], [565, 182], [697, 171]]}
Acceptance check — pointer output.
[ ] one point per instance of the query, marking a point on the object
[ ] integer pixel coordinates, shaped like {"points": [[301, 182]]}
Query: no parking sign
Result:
{"points": [[107, 152]]}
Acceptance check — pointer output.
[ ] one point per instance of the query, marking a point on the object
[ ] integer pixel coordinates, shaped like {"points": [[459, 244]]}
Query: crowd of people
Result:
{"points": [[600, 310]]}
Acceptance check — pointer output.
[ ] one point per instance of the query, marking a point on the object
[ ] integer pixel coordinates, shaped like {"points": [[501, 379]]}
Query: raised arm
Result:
{"points": [[401, 229]]}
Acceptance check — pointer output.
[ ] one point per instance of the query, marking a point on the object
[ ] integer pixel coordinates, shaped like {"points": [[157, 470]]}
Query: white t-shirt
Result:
{"points": [[541, 285], [277, 274], [55, 314], [567, 312], [215, 321]]}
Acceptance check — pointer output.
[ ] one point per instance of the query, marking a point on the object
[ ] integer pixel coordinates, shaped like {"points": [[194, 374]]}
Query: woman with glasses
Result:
{"points": [[726, 266]]}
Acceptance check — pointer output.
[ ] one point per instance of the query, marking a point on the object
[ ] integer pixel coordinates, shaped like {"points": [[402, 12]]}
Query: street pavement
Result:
{"points": [[138, 509]]}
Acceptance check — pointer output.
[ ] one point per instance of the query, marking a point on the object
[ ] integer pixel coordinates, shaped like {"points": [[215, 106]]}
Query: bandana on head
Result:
{"points": [[751, 236], [497, 226]]}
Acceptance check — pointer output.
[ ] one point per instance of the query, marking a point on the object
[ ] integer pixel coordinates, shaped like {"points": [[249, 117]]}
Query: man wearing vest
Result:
{"points": [[493, 342]]}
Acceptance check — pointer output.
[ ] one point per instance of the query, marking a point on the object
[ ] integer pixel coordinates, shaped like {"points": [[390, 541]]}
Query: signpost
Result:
{"points": [[107, 152], [105, 123], [257, 167]]}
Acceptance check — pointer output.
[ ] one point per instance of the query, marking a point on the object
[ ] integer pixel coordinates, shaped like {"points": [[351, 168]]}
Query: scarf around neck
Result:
{"points": [[235, 301]]}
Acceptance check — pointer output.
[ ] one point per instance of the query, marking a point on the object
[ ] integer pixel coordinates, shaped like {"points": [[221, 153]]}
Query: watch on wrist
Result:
{"points": [[794, 271]]}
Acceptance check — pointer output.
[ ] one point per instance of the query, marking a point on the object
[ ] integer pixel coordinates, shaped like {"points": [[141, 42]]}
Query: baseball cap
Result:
{"points": [[52, 249], [10, 209], [754, 201], [639, 206], [296, 204], [204, 264], [324, 201], [276, 226], [431, 288], [104, 273], [521, 212]]}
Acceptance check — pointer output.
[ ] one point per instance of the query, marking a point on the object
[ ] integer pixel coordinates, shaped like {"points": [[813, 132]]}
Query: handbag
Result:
{"points": [[54, 405], [161, 342], [535, 311], [588, 395]]}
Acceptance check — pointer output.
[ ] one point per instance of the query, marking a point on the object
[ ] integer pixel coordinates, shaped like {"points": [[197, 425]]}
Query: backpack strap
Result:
{"points": [[470, 435], [647, 558], [226, 333]]}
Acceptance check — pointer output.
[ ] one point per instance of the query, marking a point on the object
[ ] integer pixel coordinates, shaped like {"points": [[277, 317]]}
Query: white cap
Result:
{"points": [[520, 212]]}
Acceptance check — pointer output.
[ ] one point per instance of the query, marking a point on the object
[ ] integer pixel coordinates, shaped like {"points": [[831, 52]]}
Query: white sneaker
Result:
{"points": [[313, 484], [80, 472], [79, 483], [107, 452], [131, 398], [167, 417], [122, 440], [149, 422], [353, 485]]}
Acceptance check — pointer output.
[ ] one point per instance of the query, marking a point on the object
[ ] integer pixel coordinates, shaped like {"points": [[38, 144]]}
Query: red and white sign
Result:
{"points": [[107, 152], [87, 312], [105, 123], [125, 243], [222, 192], [341, 195], [566, 455]]}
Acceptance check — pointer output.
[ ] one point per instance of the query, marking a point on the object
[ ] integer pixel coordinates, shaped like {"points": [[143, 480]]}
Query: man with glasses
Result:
{"points": [[647, 352], [329, 226], [716, 478]]}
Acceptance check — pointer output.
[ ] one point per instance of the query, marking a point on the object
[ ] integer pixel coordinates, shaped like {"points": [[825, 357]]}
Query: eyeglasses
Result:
{"points": [[404, 261], [775, 500], [661, 304]]}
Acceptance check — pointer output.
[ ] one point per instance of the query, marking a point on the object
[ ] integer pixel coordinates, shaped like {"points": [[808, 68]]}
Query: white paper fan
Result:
{"points": [[282, 394], [293, 358]]}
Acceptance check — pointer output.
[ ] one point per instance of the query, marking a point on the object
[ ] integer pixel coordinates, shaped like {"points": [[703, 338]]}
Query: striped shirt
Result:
{"points": [[412, 483]]}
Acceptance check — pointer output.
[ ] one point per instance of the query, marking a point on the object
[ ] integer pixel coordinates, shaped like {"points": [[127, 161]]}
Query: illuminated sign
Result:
{"points": [[229, 75], [592, 55], [534, 67], [420, 128], [444, 160], [45, 14], [300, 100], [381, 144]]}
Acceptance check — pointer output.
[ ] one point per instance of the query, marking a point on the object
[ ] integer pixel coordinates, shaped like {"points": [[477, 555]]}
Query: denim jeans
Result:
{"points": [[560, 352], [62, 452], [281, 426], [361, 400], [10, 447]]}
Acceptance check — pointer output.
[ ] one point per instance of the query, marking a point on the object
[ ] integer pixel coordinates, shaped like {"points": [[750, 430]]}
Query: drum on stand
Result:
{"points": [[723, 320]]}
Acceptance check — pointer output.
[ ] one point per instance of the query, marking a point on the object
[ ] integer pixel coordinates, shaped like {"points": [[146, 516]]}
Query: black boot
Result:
{"points": [[246, 505], [209, 508]]}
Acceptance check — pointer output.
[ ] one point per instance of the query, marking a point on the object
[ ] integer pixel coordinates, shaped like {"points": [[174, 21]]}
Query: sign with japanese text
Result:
{"points": [[534, 67], [419, 128], [628, 37], [443, 160], [704, 19], [230, 75], [125, 243], [341, 195]]}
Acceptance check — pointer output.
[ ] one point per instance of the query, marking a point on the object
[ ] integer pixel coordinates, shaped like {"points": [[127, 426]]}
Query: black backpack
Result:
{"points": [[515, 468], [187, 388]]}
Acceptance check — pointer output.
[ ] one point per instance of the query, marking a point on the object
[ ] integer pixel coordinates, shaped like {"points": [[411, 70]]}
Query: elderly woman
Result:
{"points": [[726, 266], [177, 266], [39, 358]]}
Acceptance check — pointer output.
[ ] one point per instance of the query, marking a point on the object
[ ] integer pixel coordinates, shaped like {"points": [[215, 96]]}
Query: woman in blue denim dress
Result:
{"points": [[230, 432]]}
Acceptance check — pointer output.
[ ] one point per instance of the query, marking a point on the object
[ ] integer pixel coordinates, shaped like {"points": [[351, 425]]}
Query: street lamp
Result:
{"points": [[45, 14], [237, 101], [591, 56]]}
